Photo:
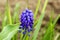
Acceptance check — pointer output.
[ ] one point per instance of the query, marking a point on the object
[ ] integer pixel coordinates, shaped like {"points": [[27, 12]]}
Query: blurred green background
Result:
{"points": [[53, 5]]}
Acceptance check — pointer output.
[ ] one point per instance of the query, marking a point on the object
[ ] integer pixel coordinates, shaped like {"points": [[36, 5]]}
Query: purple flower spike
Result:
{"points": [[26, 20]]}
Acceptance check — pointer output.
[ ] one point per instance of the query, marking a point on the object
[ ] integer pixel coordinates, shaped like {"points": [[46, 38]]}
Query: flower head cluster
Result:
{"points": [[26, 20]]}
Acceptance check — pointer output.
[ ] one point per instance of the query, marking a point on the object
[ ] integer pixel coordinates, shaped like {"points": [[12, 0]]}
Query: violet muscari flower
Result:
{"points": [[26, 20]]}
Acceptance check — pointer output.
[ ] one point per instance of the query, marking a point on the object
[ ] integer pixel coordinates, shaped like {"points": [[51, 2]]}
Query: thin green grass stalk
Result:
{"points": [[16, 36], [4, 21], [15, 17], [26, 37], [40, 21], [51, 17], [16, 13], [44, 7], [8, 13], [37, 8], [21, 35], [35, 23], [50, 31], [55, 21]]}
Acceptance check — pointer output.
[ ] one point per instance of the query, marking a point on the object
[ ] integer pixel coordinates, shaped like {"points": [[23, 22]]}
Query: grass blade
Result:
{"points": [[8, 32], [4, 21], [36, 11], [7, 16], [56, 19], [16, 12], [49, 33], [39, 21], [15, 17], [8, 13]]}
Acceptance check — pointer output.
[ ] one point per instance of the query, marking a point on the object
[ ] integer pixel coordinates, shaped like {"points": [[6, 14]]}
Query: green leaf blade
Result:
{"points": [[8, 32], [40, 21]]}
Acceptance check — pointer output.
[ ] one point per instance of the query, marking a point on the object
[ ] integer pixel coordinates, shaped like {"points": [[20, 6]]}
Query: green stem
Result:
{"points": [[56, 20], [36, 11], [44, 7], [21, 35], [10, 20], [8, 13], [26, 37], [40, 21]]}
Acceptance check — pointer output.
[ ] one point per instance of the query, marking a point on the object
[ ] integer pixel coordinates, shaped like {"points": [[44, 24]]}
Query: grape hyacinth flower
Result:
{"points": [[26, 20]]}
